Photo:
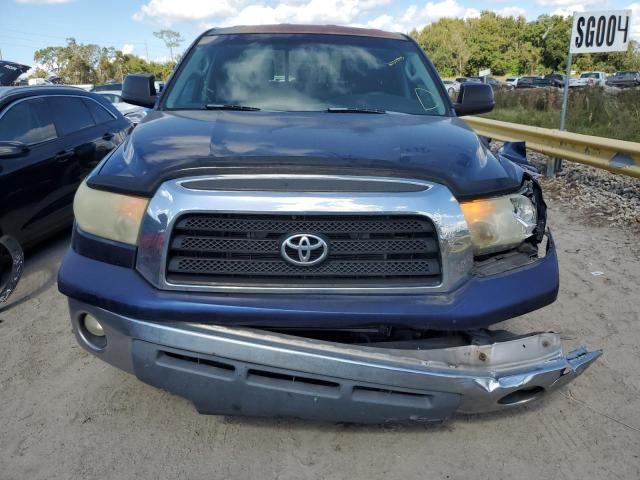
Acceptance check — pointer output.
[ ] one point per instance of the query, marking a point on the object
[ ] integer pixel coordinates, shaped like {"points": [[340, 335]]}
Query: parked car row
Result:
{"points": [[493, 82], [621, 79]]}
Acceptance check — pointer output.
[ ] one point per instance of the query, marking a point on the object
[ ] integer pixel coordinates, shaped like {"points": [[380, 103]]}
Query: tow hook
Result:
{"points": [[9, 279]]}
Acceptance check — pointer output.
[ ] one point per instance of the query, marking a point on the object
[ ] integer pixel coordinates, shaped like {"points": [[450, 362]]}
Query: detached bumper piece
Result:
{"points": [[235, 371]]}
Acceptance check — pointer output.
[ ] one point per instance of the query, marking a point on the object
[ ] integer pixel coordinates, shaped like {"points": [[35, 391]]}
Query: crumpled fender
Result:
{"points": [[516, 152], [8, 285]]}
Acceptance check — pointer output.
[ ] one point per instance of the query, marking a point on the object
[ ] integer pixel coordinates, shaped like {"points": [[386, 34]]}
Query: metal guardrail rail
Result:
{"points": [[617, 156]]}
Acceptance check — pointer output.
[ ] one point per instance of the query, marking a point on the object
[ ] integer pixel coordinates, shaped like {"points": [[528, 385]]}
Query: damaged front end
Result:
{"points": [[199, 311], [239, 371]]}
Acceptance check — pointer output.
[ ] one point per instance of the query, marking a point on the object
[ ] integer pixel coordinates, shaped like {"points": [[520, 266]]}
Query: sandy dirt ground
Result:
{"points": [[66, 415]]}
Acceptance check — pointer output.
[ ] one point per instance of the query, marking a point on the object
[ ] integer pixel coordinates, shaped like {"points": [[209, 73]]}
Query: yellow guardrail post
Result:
{"points": [[617, 156]]}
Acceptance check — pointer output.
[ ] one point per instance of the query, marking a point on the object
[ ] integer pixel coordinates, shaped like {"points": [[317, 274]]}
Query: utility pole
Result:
{"points": [[146, 50]]}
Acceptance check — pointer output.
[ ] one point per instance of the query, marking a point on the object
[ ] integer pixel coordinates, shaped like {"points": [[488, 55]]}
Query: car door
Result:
{"points": [[28, 188], [84, 140], [110, 130]]}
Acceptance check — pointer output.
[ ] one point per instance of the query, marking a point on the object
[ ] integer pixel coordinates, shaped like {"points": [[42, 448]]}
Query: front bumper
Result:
{"points": [[237, 371], [480, 302]]}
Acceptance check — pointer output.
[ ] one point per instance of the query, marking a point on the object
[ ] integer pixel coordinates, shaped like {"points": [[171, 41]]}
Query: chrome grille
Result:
{"points": [[244, 249]]}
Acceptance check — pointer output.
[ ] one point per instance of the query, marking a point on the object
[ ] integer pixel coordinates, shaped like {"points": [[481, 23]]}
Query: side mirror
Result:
{"points": [[13, 149], [474, 98], [139, 89]]}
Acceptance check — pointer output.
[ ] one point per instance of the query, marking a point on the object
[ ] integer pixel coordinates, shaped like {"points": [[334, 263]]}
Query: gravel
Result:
{"points": [[592, 195]]}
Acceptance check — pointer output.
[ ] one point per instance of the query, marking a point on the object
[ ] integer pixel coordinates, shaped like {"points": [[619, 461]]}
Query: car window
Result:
{"points": [[112, 97], [304, 72], [100, 114], [71, 114], [27, 121]]}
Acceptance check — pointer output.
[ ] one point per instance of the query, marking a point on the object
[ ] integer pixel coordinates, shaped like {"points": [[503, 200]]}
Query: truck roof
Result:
{"points": [[311, 29]]}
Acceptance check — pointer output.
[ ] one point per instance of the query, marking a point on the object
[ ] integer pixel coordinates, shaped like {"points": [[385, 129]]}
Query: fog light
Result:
{"points": [[93, 326]]}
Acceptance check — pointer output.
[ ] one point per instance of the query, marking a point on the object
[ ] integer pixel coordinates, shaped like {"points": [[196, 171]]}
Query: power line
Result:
{"points": [[19, 45], [57, 37], [20, 39]]}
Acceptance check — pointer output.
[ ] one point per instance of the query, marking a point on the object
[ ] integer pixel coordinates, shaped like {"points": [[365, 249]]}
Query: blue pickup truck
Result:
{"points": [[301, 226]]}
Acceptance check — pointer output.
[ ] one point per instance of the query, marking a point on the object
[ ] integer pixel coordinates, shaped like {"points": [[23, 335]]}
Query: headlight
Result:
{"points": [[500, 223], [109, 215]]}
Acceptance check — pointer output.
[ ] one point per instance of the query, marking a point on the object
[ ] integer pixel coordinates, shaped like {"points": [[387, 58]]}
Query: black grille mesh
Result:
{"points": [[364, 250]]}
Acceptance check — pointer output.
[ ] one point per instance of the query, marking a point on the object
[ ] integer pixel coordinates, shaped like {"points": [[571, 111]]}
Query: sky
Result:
{"points": [[128, 25]]}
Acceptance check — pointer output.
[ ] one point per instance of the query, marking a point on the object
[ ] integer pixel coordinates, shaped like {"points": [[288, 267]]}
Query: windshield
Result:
{"points": [[590, 75], [306, 72]]}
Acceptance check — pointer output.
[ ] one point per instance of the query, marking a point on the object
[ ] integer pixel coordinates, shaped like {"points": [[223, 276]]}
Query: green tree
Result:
{"points": [[77, 63], [49, 58], [491, 40], [446, 45], [39, 72], [171, 40]]}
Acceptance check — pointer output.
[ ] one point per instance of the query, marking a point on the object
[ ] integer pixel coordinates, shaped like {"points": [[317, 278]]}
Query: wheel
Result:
{"points": [[452, 91], [11, 264]]}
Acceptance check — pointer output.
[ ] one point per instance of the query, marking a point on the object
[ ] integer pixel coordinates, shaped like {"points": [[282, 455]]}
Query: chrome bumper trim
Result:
{"points": [[363, 384], [434, 201]]}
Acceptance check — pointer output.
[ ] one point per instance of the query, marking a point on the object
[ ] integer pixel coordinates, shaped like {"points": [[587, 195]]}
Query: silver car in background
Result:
{"points": [[512, 81], [133, 113], [452, 86]]}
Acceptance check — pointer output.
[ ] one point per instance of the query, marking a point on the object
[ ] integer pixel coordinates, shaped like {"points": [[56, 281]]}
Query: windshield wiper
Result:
{"points": [[242, 108], [354, 110]]}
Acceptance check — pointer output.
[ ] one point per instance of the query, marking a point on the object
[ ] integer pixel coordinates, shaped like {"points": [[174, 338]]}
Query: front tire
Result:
{"points": [[11, 265]]}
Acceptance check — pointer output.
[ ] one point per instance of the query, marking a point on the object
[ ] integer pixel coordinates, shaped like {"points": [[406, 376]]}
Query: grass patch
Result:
{"points": [[592, 111]]}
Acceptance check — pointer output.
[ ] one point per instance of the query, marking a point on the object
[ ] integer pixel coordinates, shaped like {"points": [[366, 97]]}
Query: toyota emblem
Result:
{"points": [[304, 249]]}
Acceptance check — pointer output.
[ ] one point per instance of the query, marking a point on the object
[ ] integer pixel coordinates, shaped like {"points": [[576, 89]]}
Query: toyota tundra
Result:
{"points": [[302, 226]]}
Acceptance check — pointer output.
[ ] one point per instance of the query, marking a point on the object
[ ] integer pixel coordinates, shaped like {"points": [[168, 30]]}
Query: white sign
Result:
{"points": [[594, 32], [485, 73]]}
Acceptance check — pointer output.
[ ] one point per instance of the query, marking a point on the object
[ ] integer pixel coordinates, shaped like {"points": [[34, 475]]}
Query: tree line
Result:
{"points": [[506, 45], [512, 45], [77, 63]]}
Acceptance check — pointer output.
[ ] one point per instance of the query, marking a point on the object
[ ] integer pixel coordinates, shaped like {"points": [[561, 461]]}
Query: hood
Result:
{"points": [[125, 108], [10, 71], [174, 144]]}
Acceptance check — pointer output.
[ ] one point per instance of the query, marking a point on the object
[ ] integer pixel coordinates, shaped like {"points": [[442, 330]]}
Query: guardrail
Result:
{"points": [[616, 156]]}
